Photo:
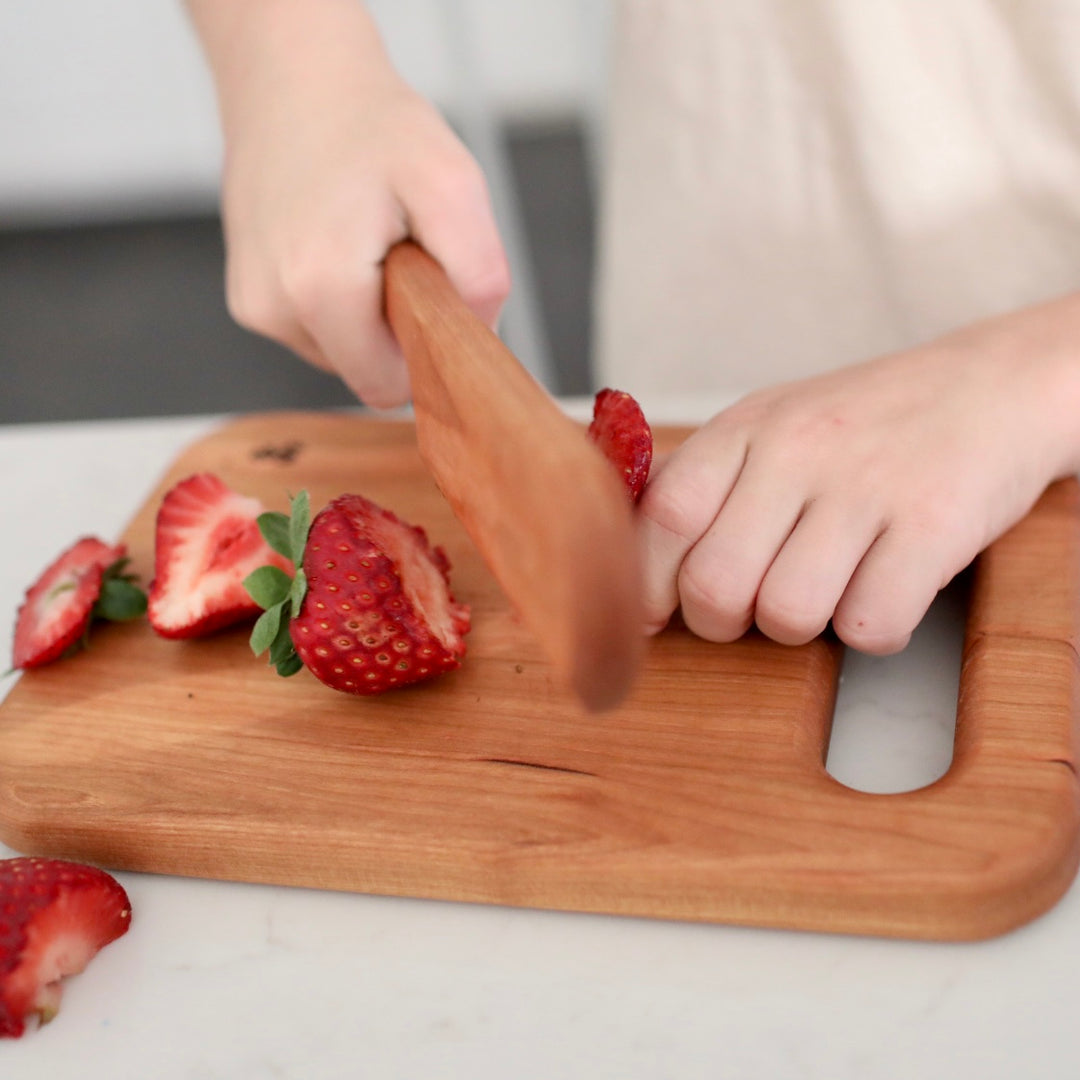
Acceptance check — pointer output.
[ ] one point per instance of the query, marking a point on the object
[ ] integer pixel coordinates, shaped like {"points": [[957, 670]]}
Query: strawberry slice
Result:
{"points": [[206, 542], [621, 431], [56, 614], [370, 607], [54, 917]]}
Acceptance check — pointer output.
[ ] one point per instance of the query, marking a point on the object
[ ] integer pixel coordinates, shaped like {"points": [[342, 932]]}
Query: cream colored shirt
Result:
{"points": [[795, 185]]}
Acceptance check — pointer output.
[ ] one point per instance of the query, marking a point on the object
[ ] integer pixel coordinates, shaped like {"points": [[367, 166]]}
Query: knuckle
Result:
{"points": [[306, 281], [462, 181], [665, 505], [251, 306], [790, 620], [489, 284], [716, 604], [484, 284], [380, 391], [325, 272], [658, 606], [928, 515]]}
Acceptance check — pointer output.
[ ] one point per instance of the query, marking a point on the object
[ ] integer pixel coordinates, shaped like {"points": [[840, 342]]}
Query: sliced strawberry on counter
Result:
{"points": [[207, 541], [87, 581], [370, 607], [621, 431], [54, 917]]}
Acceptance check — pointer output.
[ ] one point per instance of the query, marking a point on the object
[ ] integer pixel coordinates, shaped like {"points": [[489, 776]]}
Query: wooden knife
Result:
{"points": [[547, 512]]}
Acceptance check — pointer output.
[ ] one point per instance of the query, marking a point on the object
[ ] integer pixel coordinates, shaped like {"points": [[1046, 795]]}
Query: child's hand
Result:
{"points": [[330, 160], [857, 495]]}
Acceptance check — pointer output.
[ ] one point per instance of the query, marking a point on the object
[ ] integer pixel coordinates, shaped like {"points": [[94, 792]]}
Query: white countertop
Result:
{"points": [[236, 981]]}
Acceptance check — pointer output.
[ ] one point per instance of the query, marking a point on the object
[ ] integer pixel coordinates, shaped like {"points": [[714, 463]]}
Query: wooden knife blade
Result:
{"points": [[547, 512]]}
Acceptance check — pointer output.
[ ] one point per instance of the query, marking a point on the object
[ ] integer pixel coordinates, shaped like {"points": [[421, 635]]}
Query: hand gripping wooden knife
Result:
{"points": [[547, 512]]}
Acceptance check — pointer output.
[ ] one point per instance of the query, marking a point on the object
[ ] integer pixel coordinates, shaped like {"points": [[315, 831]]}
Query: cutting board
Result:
{"points": [[704, 797]]}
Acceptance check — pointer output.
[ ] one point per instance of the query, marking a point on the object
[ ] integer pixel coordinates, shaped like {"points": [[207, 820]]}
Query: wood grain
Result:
{"points": [[703, 796], [543, 507]]}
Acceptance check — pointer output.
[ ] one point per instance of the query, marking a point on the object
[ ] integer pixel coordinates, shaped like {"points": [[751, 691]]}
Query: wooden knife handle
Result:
{"points": [[546, 510]]}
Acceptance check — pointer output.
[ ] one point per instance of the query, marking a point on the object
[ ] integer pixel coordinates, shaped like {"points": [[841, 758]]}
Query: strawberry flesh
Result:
{"points": [[58, 607], [378, 613], [54, 917], [207, 541], [621, 431]]}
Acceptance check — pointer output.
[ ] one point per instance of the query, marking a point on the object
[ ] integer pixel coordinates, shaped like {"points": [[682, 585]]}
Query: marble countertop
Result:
{"points": [[245, 981]]}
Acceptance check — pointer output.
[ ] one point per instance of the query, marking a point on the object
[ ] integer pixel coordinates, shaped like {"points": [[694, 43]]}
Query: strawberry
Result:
{"points": [[54, 917], [86, 582], [621, 431], [369, 608], [206, 542]]}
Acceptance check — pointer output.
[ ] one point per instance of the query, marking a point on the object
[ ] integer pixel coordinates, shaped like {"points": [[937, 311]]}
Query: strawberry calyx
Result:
{"points": [[121, 599], [279, 595]]}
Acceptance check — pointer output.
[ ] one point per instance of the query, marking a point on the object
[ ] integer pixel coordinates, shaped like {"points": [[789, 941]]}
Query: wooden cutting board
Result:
{"points": [[703, 797]]}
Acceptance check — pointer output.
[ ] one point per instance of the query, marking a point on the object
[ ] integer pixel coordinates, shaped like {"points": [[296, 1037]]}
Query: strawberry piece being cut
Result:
{"points": [[621, 431], [206, 542], [58, 609], [54, 917], [371, 608]]}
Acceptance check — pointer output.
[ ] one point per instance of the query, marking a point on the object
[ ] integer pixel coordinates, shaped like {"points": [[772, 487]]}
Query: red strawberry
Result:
{"points": [[371, 604], [54, 917], [621, 431], [207, 541], [59, 606]]}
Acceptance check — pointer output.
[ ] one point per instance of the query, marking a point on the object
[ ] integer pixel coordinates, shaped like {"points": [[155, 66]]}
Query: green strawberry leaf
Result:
{"points": [[290, 665], [118, 570], [267, 586], [297, 592], [274, 527], [282, 644], [279, 595], [266, 629], [120, 600], [299, 524], [282, 654]]}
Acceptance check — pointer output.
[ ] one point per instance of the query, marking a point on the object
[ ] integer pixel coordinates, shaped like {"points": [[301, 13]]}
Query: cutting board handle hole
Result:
{"points": [[886, 749]]}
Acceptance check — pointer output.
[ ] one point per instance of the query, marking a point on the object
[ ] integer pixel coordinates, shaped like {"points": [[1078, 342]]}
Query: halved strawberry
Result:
{"points": [[206, 542], [87, 580], [370, 607], [621, 431], [54, 917]]}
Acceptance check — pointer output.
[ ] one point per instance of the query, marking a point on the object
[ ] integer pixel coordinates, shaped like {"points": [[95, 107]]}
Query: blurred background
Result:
{"points": [[111, 260]]}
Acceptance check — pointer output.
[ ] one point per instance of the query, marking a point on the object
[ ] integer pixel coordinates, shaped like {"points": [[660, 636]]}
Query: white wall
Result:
{"points": [[106, 108]]}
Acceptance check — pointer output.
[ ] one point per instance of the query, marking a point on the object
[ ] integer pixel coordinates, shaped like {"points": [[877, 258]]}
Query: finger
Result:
{"points": [[891, 590], [678, 506], [351, 331], [264, 310], [336, 299], [450, 215], [720, 577], [804, 584]]}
